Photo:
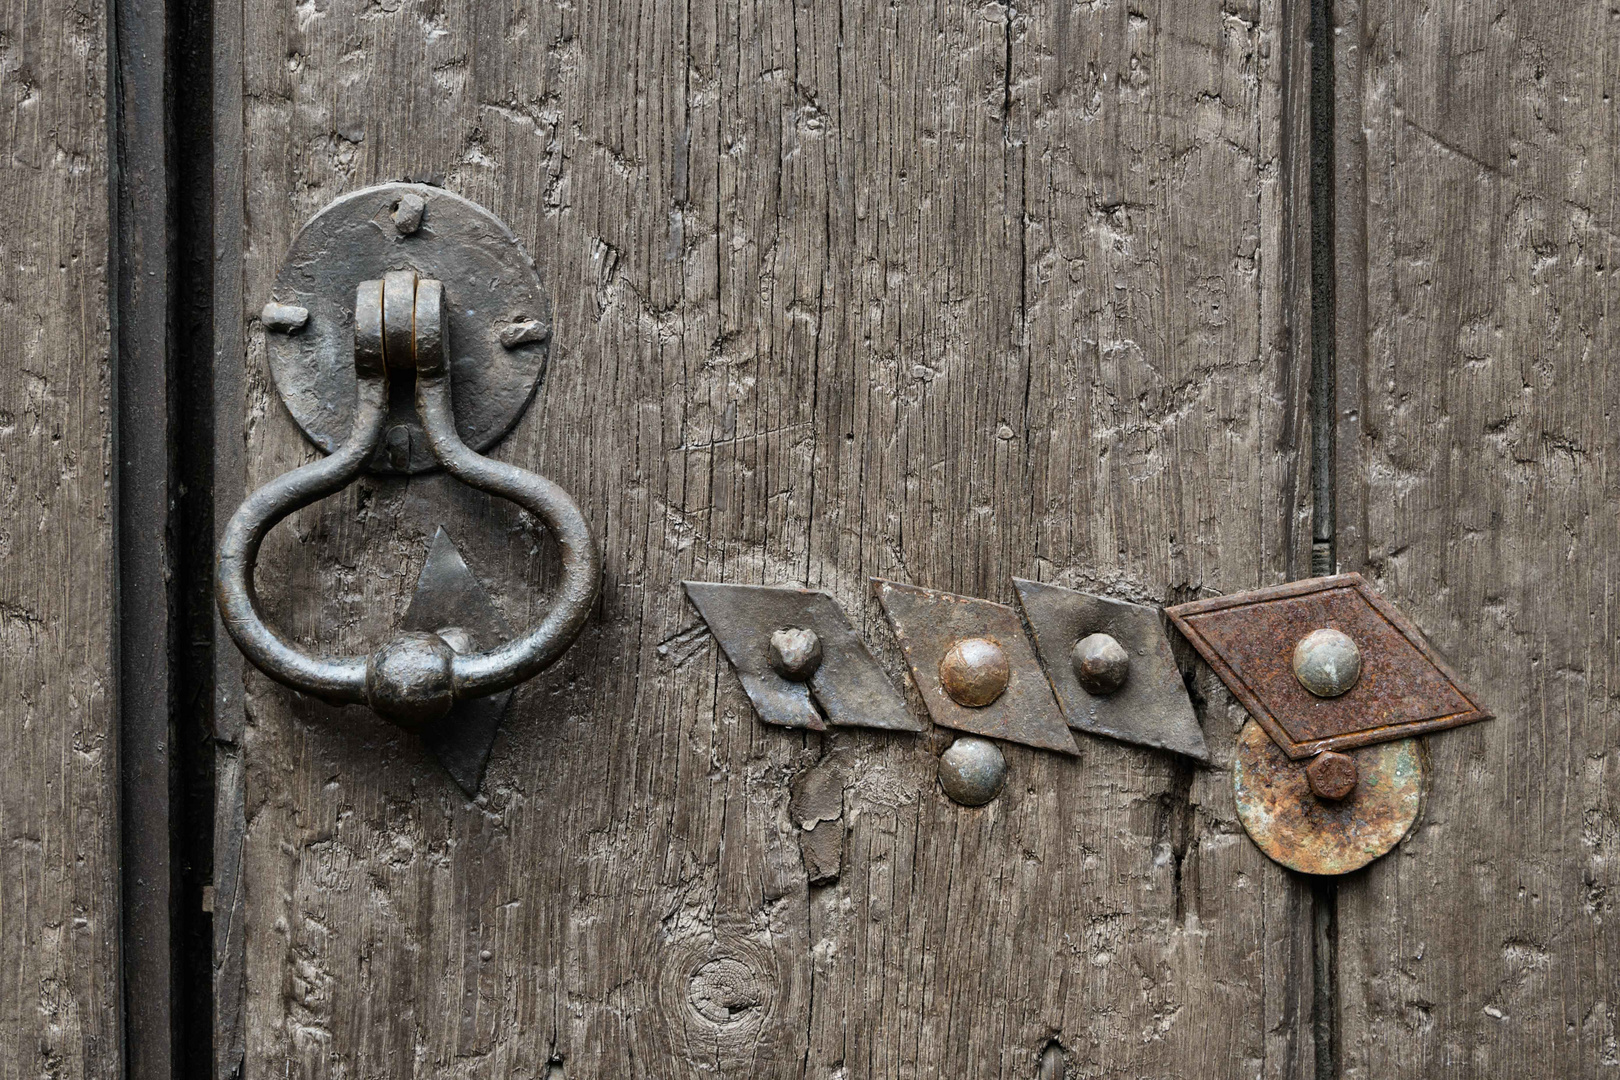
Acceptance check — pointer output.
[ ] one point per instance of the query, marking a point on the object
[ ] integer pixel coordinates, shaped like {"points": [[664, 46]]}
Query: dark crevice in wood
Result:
{"points": [[191, 104], [1325, 975], [1322, 411], [141, 209], [164, 345], [1323, 418]]}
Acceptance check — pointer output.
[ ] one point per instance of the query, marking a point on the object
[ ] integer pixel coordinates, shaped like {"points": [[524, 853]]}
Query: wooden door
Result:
{"points": [[1159, 300], [941, 294]]}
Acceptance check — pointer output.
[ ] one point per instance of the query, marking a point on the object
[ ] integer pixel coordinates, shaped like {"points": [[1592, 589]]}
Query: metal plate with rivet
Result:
{"points": [[1403, 687], [450, 602], [787, 676], [929, 624], [1150, 706], [1314, 835], [491, 286]]}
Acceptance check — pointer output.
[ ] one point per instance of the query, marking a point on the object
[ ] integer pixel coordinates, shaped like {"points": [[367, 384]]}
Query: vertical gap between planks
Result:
{"points": [[162, 263], [1323, 416], [192, 510], [141, 264]]}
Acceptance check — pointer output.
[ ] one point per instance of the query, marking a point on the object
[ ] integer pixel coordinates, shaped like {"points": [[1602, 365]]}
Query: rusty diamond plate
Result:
{"points": [[1405, 687], [929, 622]]}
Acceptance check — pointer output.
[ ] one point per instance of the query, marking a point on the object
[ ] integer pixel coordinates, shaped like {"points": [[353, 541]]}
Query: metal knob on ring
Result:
{"points": [[417, 677]]}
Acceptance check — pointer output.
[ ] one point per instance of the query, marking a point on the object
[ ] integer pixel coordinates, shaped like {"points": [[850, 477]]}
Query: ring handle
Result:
{"points": [[417, 677]]}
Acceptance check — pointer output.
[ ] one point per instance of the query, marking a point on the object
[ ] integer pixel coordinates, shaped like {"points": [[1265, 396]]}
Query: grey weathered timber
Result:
{"points": [[939, 294], [59, 919], [1478, 403]]}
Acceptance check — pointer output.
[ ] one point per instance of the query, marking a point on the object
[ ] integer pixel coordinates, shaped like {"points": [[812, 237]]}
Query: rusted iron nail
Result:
{"points": [[408, 213], [795, 653], [1327, 662], [972, 771], [284, 318], [1332, 775], [1101, 664], [974, 671]]}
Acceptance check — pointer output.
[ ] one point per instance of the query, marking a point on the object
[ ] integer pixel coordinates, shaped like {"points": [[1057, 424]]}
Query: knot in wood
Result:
{"points": [[725, 990]]}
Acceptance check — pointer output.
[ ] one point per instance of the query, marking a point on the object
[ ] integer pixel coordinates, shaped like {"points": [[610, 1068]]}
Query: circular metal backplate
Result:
{"points": [[1315, 836], [491, 289]]}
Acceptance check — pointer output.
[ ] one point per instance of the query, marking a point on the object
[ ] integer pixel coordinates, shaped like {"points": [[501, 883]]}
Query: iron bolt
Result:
{"points": [[972, 771], [1327, 662], [974, 672], [1332, 775], [795, 653], [1101, 663]]}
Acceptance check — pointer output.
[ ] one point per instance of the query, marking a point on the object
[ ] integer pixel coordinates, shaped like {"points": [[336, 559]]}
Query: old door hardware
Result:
{"points": [[415, 679], [1110, 663], [450, 602], [498, 318], [1333, 675], [947, 642], [972, 771], [1295, 826], [1402, 686], [794, 650]]}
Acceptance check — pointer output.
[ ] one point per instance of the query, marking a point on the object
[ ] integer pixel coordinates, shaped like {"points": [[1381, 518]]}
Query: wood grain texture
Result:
{"points": [[943, 294], [1476, 467], [59, 982]]}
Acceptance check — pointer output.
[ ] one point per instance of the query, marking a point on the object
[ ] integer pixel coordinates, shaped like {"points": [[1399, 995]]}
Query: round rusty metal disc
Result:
{"points": [[491, 288], [1315, 836]]}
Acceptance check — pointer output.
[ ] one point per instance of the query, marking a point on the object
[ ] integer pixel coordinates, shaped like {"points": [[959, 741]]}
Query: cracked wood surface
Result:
{"points": [[944, 294], [59, 924], [1478, 395]]}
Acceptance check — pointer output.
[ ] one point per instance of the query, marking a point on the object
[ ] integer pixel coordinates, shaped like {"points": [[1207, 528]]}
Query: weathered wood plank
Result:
{"points": [[1477, 453], [59, 922], [943, 294]]}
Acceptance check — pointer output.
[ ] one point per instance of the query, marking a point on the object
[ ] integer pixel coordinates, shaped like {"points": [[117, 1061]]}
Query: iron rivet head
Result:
{"points": [[1101, 663], [1327, 662], [795, 653], [972, 771], [1332, 775], [974, 672], [408, 213]]}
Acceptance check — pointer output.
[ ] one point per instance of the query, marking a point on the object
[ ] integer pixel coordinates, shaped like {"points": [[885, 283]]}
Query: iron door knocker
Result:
{"points": [[401, 325]]}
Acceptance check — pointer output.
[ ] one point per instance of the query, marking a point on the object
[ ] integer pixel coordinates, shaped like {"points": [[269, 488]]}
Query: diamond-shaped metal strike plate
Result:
{"points": [[848, 685], [1151, 708], [928, 623], [448, 596], [1405, 687]]}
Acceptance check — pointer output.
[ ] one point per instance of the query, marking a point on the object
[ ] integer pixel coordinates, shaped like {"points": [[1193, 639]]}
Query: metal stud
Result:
{"points": [[795, 653], [1101, 664], [1327, 662], [972, 771], [974, 671]]}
